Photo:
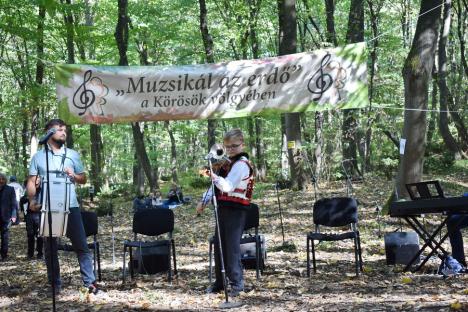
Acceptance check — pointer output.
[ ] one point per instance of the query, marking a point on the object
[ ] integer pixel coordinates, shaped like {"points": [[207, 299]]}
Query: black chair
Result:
{"points": [[91, 225], [335, 212], [151, 222], [251, 222]]}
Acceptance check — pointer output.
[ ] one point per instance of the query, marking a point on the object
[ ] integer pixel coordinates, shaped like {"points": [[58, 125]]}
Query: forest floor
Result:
{"points": [[283, 286]]}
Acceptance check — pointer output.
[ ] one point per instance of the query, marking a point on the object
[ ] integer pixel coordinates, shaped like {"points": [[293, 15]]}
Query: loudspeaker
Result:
{"points": [[248, 253], [401, 247], [154, 260]]}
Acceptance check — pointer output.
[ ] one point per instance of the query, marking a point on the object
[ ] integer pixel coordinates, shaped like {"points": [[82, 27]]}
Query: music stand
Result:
{"points": [[425, 190]]}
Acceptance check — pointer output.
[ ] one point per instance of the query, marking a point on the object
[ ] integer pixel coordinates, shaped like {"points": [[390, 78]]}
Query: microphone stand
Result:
{"points": [[49, 219], [313, 178], [226, 304]]}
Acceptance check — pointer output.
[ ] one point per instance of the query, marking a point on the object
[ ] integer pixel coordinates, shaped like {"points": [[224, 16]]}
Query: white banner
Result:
{"points": [[319, 80]]}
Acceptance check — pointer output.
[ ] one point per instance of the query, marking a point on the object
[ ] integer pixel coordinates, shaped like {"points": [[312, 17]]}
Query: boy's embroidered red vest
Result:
{"points": [[242, 194]]}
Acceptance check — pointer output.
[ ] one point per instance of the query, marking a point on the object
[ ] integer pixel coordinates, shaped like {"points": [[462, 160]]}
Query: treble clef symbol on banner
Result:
{"points": [[324, 80], [84, 98]]}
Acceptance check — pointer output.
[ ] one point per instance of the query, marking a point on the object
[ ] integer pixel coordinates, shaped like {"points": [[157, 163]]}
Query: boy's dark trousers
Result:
{"points": [[231, 223], [33, 220]]}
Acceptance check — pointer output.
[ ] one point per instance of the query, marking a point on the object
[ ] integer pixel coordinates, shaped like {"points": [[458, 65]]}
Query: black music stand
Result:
{"points": [[426, 190]]}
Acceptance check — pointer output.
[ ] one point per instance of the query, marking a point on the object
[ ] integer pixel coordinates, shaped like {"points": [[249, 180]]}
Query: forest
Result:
{"points": [[413, 128]]}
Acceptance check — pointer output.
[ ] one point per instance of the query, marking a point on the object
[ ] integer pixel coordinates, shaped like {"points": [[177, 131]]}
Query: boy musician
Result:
{"points": [[233, 190]]}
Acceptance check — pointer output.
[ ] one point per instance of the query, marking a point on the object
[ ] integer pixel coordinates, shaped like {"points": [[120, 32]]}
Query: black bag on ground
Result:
{"points": [[401, 247], [248, 254], [154, 260]]}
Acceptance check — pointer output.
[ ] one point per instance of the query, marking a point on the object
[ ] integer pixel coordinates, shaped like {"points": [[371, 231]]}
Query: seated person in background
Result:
{"points": [[139, 203], [154, 200], [455, 223], [175, 196]]}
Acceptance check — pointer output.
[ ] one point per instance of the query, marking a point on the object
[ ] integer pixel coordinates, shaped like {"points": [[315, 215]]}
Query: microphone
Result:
{"points": [[46, 137]]}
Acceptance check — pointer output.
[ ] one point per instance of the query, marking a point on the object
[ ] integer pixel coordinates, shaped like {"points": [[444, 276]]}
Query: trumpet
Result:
{"points": [[217, 157], [217, 152]]}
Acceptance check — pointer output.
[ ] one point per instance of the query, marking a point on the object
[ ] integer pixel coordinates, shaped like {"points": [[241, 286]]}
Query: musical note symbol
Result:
{"points": [[84, 98], [324, 80]]}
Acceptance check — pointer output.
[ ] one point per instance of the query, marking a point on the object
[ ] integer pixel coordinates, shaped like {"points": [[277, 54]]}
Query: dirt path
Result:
{"points": [[283, 286]]}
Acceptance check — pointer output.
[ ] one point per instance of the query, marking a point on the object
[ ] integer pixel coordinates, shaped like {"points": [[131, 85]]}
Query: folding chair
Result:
{"points": [[335, 212], [151, 222], [252, 222], [90, 224]]}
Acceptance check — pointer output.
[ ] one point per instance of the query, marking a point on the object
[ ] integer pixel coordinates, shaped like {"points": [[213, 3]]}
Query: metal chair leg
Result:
{"points": [[174, 257], [308, 258], [257, 255], [123, 266], [99, 261], [359, 250], [313, 256], [132, 273], [169, 273], [356, 255], [94, 259], [210, 265]]}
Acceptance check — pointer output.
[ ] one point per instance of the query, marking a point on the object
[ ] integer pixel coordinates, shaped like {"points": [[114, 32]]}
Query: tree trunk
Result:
{"points": [[94, 130], [461, 35], [209, 58], [261, 163], [96, 157], [434, 98], [444, 93], [121, 36], [284, 159], [331, 34], [374, 10], [354, 34], [68, 20], [417, 72], [292, 121], [39, 78], [405, 22], [259, 147], [173, 152]]}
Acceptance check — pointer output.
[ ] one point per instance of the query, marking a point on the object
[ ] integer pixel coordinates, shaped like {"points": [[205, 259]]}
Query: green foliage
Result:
{"points": [[169, 30]]}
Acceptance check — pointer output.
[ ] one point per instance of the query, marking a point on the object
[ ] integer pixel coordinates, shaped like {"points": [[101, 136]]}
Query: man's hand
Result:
{"points": [[13, 220], [70, 173], [200, 207]]}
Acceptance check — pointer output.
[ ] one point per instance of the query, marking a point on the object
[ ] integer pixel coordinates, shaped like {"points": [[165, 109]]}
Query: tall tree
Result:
{"points": [[121, 36], [209, 58], [39, 77], [355, 33], [170, 131], [330, 12], [95, 135], [292, 121], [417, 73], [444, 93], [70, 32]]}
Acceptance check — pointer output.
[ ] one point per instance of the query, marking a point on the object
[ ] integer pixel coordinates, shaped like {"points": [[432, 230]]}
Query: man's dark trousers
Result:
{"points": [[5, 235], [76, 233], [33, 220], [231, 223]]}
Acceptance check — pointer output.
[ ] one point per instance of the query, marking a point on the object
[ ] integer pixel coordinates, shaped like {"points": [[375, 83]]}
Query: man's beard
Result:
{"points": [[59, 142]]}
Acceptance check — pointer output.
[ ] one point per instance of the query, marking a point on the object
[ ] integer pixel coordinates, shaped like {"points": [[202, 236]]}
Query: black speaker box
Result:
{"points": [[401, 247], [154, 260], [248, 252]]}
